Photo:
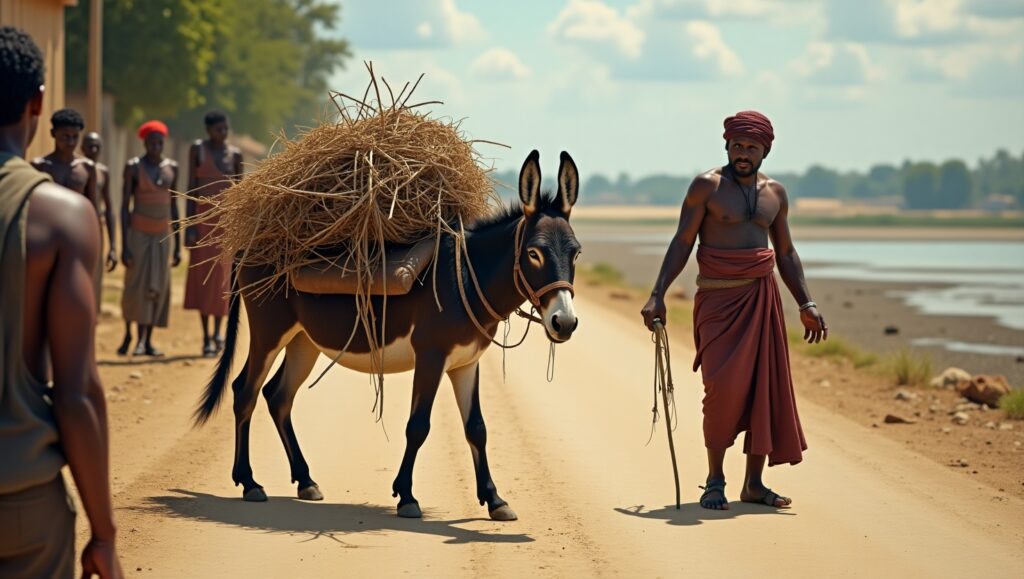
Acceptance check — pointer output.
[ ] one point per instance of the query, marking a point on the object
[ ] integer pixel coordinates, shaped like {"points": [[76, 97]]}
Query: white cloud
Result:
{"points": [[400, 24], [642, 45], [591, 22], [499, 64], [845, 64]]}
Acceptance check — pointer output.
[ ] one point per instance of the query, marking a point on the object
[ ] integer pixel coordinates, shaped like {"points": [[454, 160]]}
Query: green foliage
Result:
{"points": [[1013, 404], [920, 185], [955, 185], [601, 273], [820, 182], [263, 62], [909, 369], [837, 348]]}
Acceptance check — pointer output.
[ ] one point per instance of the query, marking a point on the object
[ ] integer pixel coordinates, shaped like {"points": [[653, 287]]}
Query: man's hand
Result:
{"points": [[111, 260], [653, 310], [126, 258], [176, 260], [100, 558], [815, 329]]}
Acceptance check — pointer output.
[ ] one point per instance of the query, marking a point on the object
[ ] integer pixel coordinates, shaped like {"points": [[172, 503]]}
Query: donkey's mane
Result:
{"points": [[506, 214]]}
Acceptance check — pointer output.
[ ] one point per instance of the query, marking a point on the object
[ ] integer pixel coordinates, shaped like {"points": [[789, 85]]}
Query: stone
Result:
{"points": [[891, 330], [825, 384], [896, 419], [961, 418], [949, 378], [136, 375], [946, 430], [934, 408], [984, 389], [905, 395], [990, 425], [1005, 426]]}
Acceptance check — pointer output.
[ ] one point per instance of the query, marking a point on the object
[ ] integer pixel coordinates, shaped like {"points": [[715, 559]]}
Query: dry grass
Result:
{"points": [[1013, 404], [382, 172], [909, 369]]}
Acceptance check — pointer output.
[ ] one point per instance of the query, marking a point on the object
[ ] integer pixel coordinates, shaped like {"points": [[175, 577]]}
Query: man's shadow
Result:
{"points": [[690, 514], [331, 520]]}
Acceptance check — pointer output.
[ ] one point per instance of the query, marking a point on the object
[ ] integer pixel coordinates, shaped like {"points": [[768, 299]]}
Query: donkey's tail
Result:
{"points": [[215, 387]]}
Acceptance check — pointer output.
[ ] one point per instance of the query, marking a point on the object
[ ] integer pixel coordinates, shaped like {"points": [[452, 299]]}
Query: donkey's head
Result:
{"points": [[548, 248]]}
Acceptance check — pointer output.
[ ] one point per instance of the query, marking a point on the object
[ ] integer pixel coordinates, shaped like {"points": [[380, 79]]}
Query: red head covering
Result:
{"points": [[152, 127], [752, 125]]}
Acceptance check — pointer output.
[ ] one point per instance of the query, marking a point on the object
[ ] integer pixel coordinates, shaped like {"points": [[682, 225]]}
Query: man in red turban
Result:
{"points": [[149, 215], [738, 326]]}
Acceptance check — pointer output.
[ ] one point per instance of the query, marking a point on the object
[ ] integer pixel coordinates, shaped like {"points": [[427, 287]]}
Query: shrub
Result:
{"points": [[1013, 404], [910, 370]]}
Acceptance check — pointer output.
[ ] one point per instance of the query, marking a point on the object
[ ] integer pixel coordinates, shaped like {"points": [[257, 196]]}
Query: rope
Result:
{"points": [[663, 383]]}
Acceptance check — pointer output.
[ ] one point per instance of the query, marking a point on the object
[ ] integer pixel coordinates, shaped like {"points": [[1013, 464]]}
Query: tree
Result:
{"points": [[820, 182], [955, 186], [920, 185], [264, 62]]}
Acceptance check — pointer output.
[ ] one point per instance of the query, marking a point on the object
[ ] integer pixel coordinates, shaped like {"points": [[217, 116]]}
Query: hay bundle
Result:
{"points": [[381, 173]]}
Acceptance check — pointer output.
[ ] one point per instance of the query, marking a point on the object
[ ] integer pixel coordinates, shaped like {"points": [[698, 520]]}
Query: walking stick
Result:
{"points": [[663, 382]]}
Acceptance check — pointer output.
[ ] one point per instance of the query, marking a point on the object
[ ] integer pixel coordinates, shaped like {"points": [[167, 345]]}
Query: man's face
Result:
{"points": [[745, 156], [66, 139], [154, 144], [91, 146], [218, 131]]}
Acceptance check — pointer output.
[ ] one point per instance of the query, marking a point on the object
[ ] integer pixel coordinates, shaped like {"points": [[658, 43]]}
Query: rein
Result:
{"points": [[663, 383]]}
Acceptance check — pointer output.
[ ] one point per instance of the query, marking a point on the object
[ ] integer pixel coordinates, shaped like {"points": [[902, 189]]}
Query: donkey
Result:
{"points": [[527, 246]]}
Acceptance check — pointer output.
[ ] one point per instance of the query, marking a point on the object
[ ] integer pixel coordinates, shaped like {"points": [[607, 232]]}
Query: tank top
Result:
{"points": [[151, 212], [29, 445]]}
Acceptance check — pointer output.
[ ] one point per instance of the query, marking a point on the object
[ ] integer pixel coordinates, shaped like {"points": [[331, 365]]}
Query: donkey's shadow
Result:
{"points": [[331, 520], [689, 514]]}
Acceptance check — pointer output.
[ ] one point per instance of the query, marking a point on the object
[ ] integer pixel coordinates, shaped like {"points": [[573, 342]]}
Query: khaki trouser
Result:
{"points": [[37, 533]]}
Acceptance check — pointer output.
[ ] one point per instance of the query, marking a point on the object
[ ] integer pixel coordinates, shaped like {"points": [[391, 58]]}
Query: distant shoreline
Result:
{"points": [[967, 227]]}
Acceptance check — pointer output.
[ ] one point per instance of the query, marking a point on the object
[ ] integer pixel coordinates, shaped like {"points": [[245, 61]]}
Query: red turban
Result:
{"points": [[152, 127], [752, 125]]}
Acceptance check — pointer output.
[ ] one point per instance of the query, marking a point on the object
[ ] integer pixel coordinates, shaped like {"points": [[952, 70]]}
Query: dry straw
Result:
{"points": [[382, 172]]}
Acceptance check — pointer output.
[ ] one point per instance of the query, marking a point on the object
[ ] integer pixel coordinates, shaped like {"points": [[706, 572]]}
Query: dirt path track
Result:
{"points": [[569, 457]]}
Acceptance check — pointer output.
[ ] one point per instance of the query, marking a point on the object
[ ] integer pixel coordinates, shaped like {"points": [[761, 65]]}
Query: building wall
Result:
{"points": [[43, 20]]}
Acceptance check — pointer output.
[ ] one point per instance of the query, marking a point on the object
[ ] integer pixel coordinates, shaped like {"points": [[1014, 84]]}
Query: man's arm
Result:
{"points": [[126, 195], [792, 271], [108, 216], [690, 219], [175, 229], [238, 166], [191, 236], [78, 403]]}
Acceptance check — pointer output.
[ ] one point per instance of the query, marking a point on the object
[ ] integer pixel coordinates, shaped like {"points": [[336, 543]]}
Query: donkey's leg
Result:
{"points": [[429, 367], [466, 381], [246, 390], [300, 357]]}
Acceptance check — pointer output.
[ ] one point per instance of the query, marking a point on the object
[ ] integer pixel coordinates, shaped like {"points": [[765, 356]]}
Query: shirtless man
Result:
{"points": [[92, 145], [49, 243], [739, 329]]}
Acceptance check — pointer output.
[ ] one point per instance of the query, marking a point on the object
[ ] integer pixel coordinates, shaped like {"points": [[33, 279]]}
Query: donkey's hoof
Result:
{"points": [[255, 495], [410, 511], [503, 513], [311, 493]]}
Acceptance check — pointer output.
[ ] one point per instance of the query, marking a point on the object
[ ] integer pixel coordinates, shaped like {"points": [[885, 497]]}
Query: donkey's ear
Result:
{"points": [[568, 183], [529, 183]]}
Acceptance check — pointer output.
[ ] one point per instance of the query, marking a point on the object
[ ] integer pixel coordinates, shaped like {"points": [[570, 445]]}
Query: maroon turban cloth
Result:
{"points": [[152, 127], [752, 125]]}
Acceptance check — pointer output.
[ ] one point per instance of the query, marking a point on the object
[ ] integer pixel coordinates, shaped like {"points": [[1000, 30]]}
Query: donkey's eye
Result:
{"points": [[536, 256], [576, 257]]}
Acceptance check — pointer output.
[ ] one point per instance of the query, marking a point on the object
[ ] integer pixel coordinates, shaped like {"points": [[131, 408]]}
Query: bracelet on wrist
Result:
{"points": [[808, 306]]}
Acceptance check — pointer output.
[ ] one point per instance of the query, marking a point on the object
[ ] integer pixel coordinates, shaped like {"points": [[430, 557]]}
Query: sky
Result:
{"points": [[642, 86]]}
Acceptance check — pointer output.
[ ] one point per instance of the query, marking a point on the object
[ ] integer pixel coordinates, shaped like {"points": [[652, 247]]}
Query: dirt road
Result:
{"points": [[569, 456]]}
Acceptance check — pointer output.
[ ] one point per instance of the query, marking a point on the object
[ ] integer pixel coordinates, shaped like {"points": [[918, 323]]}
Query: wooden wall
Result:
{"points": [[43, 20]]}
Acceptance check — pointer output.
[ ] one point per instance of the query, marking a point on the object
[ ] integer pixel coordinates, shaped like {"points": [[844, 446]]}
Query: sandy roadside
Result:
{"points": [[570, 458]]}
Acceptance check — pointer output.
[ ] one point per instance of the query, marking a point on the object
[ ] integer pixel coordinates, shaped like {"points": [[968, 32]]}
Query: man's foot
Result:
{"points": [[219, 343], [209, 348], [153, 352], [765, 496], [127, 343], [714, 496], [140, 349]]}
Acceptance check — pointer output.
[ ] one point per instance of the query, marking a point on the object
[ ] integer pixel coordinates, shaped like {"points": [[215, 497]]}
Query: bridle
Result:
{"points": [[522, 286]]}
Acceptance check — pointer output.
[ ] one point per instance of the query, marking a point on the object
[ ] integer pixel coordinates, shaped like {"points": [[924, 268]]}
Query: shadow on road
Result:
{"points": [[146, 361], [331, 520], [693, 514]]}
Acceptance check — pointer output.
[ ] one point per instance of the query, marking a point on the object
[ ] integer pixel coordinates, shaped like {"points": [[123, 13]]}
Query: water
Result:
{"points": [[956, 278]]}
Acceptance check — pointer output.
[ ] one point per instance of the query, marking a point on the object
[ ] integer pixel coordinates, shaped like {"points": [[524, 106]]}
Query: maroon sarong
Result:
{"points": [[740, 335]]}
